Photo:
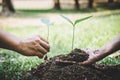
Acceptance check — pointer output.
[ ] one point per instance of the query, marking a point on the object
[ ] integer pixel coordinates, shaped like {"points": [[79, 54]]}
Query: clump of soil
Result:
{"points": [[68, 69], [76, 55]]}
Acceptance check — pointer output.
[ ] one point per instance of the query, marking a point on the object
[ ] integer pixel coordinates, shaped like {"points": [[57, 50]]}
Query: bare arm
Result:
{"points": [[8, 41], [109, 48], [34, 46], [106, 50]]}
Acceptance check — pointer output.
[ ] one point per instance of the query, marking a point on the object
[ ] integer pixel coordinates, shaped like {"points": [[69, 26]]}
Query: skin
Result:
{"points": [[34, 46], [104, 51]]}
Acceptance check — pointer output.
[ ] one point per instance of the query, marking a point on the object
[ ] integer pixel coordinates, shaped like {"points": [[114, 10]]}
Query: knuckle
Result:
{"points": [[33, 42], [38, 36], [37, 40]]}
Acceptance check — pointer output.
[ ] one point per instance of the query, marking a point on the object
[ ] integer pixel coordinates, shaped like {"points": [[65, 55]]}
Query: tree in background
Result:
{"points": [[90, 5], [77, 4], [57, 4], [7, 7], [110, 1]]}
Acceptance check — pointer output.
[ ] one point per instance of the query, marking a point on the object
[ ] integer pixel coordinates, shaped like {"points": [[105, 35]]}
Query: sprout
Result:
{"points": [[47, 22], [74, 24]]}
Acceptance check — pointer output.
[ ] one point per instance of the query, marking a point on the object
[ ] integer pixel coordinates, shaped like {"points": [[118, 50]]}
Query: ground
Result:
{"points": [[67, 67]]}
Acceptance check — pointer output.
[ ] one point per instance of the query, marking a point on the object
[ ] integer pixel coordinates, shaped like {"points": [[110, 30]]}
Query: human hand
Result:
{"points": [[34, 46], [93, 57]]}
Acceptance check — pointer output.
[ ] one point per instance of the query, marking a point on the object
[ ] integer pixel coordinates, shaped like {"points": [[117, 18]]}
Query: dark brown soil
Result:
{"points": [[70, 70]]}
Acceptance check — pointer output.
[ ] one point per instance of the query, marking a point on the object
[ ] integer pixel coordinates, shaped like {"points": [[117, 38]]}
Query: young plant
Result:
{"points": [[48, 23], [73, 25]]}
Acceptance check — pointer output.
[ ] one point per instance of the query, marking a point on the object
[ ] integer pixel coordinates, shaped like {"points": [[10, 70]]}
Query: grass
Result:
{"points": [[66, 11], [92, 33], [39, 12]]}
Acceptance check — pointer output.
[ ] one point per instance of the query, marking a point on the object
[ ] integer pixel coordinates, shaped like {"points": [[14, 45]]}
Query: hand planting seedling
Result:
{"points": [[69, 67], [74, 24], [48, 23]]}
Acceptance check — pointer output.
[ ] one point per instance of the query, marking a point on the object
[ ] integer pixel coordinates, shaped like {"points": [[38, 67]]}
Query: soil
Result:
{"points": [[65, 67]]}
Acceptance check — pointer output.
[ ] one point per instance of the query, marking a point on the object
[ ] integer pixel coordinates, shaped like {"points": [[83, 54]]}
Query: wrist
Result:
{"points": [[11, 45], [16, 44], [101, 54]]}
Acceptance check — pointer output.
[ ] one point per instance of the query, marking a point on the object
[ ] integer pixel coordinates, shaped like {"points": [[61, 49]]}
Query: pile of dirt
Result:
{"points": [[67, 69]]}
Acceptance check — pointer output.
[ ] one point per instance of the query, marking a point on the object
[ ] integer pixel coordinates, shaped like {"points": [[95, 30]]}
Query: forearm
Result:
{"points": [[8, 41], [109, 48]]}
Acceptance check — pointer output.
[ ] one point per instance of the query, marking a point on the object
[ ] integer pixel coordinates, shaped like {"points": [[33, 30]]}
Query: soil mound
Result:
{"points": [[67, 69]]}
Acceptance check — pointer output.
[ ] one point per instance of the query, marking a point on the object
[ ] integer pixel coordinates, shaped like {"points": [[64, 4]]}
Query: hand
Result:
{"points": [[34, 46], [92, 57]]}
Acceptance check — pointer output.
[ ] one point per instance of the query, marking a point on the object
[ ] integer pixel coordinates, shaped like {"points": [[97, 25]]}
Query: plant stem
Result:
{"points": [[45, 56], [48, 34], [73, 37]]}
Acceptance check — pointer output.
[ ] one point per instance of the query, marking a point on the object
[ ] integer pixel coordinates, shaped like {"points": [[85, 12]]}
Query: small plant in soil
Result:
{"points": [[52, 70], [48, 23], [69, 68], [74, 25]]}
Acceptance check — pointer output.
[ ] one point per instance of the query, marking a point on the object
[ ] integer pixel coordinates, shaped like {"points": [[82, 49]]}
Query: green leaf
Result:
{"points": [[67, 19], [45, 21], [79, 20]]}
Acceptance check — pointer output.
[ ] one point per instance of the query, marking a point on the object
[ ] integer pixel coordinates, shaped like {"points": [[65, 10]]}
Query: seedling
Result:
{"points": [[74, 24], [47, 22]]}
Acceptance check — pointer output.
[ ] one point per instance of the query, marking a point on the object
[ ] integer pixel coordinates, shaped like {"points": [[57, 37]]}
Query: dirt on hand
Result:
{"points": [[67, 69]]}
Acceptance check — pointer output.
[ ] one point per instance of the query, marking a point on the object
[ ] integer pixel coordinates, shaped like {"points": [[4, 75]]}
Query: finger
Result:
{"points": [[42, 43], [45, 45], [84, 63], [39, 54], [43, 39], [41, 49]]}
